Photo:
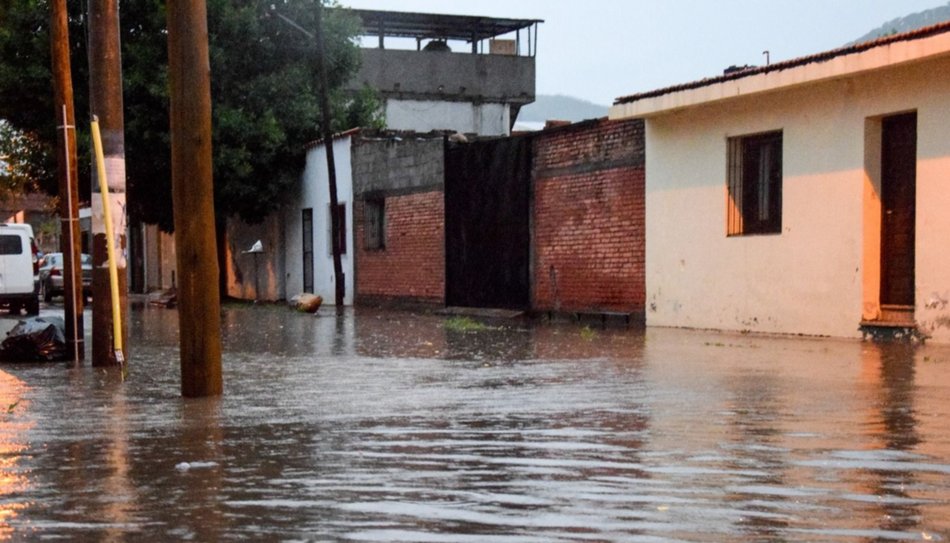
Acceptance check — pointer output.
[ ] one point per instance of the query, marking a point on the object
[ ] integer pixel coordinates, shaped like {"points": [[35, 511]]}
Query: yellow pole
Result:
{"points": [[110, 240]]}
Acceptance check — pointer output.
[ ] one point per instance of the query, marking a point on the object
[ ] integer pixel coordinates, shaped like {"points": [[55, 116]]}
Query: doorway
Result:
{"points": [[487, 237], [898, 216]]}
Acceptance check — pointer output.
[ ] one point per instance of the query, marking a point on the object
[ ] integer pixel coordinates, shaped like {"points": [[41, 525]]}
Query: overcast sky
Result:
{"points": [[599, 50]]}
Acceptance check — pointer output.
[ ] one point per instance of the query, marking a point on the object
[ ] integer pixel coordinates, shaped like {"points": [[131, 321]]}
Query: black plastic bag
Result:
{"points": [[36, 339]]}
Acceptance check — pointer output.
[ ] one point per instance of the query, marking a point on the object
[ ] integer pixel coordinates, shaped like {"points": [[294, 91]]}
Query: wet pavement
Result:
{"points": [[388, 426]]}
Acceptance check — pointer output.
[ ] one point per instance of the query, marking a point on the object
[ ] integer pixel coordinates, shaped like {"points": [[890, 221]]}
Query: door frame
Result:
{"points": [[876, 308]]}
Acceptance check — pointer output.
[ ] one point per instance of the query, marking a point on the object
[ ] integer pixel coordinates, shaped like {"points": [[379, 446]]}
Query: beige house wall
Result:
{"points": [[821, 274]]}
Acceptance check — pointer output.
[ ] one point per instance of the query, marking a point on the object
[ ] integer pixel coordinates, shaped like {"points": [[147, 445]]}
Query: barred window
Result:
{"points": [[755, 184], [374, 232]]}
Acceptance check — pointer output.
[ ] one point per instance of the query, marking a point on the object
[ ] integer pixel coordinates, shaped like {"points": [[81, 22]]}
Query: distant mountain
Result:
{"points": [[908, 22], [548, 107]]}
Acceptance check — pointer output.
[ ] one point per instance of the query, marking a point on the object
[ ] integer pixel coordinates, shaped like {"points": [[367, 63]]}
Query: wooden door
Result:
{"points": [[898, 208]]}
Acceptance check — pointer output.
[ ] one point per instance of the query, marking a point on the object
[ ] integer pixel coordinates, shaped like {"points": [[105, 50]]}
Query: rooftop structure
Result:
{"points": [[429, 86]]}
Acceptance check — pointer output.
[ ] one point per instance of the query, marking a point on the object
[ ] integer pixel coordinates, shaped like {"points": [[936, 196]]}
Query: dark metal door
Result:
{"points": [[306, 220], [487, 187], [898, 208]]}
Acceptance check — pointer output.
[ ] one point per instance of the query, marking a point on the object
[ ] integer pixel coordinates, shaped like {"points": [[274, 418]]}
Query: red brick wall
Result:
{"points": [[588, 218], [412, 265]]}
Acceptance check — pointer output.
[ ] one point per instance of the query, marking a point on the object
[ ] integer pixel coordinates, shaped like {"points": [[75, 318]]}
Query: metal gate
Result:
{"points": [[487, 237]]}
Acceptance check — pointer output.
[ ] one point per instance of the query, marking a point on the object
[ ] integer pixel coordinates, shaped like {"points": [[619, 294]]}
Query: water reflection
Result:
{"points": [[384, 426], [14, 476], [756, 413], [200, 464], [892, 425]]}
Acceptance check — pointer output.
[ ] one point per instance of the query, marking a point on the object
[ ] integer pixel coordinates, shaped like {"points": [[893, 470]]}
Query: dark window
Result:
{"points": [[11, 245], [755, 184], [341, 231], [307, 222], [374, 232]]}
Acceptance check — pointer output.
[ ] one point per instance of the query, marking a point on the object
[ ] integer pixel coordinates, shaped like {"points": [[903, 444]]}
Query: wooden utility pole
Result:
{"points": [[331, 165], [105, 101], [68, 175], [199, 312]]}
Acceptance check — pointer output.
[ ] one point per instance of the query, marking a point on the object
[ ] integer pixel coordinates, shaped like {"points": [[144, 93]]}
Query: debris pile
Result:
{"points": [[36, 339]]}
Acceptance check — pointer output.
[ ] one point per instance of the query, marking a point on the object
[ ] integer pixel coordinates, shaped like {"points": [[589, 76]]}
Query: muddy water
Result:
{"points": [[389, 427]]}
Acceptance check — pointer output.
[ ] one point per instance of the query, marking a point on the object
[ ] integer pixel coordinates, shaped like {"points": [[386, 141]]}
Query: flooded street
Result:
{"points": [[388, 426]]}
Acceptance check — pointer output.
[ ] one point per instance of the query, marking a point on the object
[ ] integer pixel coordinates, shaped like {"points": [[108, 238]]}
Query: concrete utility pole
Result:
{"points": [[68, 175], [331, 165], [105, 101], [199, 312]]}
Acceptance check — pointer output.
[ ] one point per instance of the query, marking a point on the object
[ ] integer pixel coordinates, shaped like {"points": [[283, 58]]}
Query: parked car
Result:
{"points": [[18, 268], [51, 276]]}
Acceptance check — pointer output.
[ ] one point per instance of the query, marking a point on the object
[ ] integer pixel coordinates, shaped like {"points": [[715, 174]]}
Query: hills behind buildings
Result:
{"points": [[566, 108]]}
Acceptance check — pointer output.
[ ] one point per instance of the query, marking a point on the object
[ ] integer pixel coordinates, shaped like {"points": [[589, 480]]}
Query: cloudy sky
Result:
{"points": [[599, 50]]}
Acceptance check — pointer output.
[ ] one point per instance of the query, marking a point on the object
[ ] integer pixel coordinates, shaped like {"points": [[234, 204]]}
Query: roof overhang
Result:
{"points": [[893, 51], [424, 26]]}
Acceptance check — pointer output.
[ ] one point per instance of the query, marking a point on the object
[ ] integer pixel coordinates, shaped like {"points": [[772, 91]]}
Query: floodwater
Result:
{"points": [[387, 426]]}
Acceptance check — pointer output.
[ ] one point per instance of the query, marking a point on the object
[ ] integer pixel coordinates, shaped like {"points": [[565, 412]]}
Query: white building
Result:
{"points": [[307, 226], [810, 196]]}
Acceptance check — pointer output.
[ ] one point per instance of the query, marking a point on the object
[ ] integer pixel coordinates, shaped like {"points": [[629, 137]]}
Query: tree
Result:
{"points": [[21, 162], [26, 91], [264, 89], [263, 95], [264, 103]]}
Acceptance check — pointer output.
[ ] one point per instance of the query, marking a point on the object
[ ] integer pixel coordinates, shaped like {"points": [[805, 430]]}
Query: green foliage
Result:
{"points": [[145, 88], [464, 324], [263, 91], [588, 333], [21, 161], [26, 91], [363, 109]]}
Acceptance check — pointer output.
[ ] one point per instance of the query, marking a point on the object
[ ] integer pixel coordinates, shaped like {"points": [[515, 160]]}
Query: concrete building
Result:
{"points": [[805, 197], [433, 72], [39, 211], [427, 90], [399, 218], [463, 73], [550, 222], [307, 228]]}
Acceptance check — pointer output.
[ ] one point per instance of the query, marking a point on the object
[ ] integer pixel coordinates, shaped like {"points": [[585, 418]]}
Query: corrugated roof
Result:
{"points": [[470, 28], [336, 136], [921, 33]]}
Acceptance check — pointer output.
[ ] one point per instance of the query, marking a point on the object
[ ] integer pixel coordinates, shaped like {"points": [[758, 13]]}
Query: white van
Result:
{"points": [[19, 268]]}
